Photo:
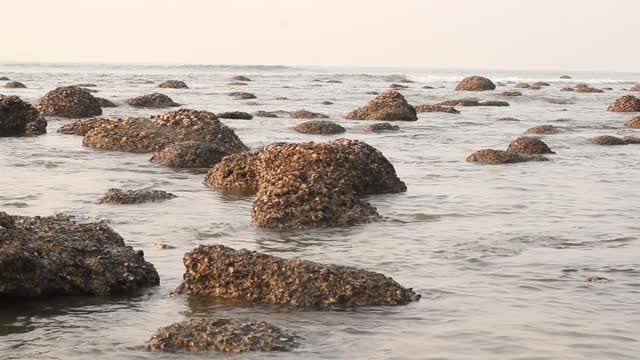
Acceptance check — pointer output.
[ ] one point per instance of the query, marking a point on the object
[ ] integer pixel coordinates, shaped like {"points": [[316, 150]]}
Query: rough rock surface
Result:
{"points": [[608, 140], [627, 103], [565, 77], [380, 127], [267, 114], [389, 106], [216, 270], [511, 93], [154, 100], [19, 118], [239, 95], [70, 102], [240, 78], [633, 123], [83, 126], [543, 130], [15, 85], [173, 84], [119, 196], [494, 157], [235, 172], [240, 115], [51, 256], [320, 127], [632, 139], [475, 83], [106, 102], [437, 108], [541, 83], [635, 88], [583, 88], [189, 154], [154, 133], [567, 88], [304, 114], [522, 85], [224, 335], [529, 145]]}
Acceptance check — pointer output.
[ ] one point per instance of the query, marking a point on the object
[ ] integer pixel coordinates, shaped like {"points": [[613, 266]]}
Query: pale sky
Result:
{"points": [[484, 34]]}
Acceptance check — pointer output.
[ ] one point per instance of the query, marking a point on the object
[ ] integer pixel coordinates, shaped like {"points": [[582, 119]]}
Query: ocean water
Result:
{"points": [[502, 255]]}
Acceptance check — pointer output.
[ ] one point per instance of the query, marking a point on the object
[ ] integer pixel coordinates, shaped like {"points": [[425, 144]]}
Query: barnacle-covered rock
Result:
{"points": [[608, 140], [633, 123], [437, 108], [119, 196], [390, 106], [189, 154], [239, 95], [304, 114], [494, 157], [155, 100], [235, 172], [529, 145], [173, 84], [475, 83], [627, 103], [320, 127], [522, 85], [379, 127], [70, 102], [19, 118], [83, 126], [542, 130]]}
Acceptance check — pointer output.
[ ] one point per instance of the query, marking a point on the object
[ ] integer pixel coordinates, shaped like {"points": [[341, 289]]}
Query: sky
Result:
{"points": [[478, 34]]}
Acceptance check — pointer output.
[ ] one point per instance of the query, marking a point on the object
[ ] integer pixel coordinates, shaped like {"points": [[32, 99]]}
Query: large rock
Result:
{"points": [[475, 83], [219, 271], [437, 108], [235, 172], [119, 196], [19, 118], [238, 115], [52, 256], [495, 157], [152, 134], [70, 102], [529, 145], [155, 100], [224, 335], [83, 126], [633, 123], [15, 85], [173, 84], [608, 140], [189, 154], [319, 127], [390, 106], [627, 103], [304, 114]]}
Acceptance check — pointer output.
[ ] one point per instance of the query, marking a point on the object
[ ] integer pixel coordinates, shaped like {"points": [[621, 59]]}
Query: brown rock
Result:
{"points": [[326, 102], [529, 146], [398, 86], [494, 157], [173, 84], [493, 103], [390, 106], [437, 108], [635, 88], [565, 77], [320, 127], [627, 103], [119, 196], [14, 85], [333, 82], [235, 172], [304, 114], [267, 114], [240, 78], [105, 102], [379, 127], [541, 83], [155, 100], [631, 139], [475, 83], [511, 93], [522, 85], [543, 130], [189, 154], [19, 118], [633, 123], [83, 126], [238, 115], [70, 102], [583, 88], [239, 95], [608, 140], [566, 88]]}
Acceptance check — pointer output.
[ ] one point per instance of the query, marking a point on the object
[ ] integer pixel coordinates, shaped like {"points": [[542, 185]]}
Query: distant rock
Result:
{"points": [[86, 85], [398, 86], [319, 127], [155, 100], [632, 139], [239, 95], [535, 87], [472, 102], [372, 93], [304, 114], [541, 83], [326, 102], [437, 108], [495, 157], [635, 88], [529, 146], [240, 115], [119, 196], [106, 103], [19, 118], [281, 98], [567, 88], [240, 78], [14, 85], [189, 154], [379, 127], [475, 83], [627, 103], [236, 83], [267, 114], [69, 102], [508, 119], [4, 78], [333, 82], [522, 85], [543, 130], [493, 103], [427, 87], [608, 140], [584, 88], [565, 77], [173, 84], [83, 126], [511, 93], [633, 123], [390, 106]]}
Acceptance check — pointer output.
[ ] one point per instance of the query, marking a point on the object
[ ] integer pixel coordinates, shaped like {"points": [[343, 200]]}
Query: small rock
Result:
{"points": [[189, 154], [155, 100], [281, 98], [398, 86], [529, 146], [173, 84], [633, 123], [475, 83], [4, 78], [239, 95], [105, 102], [608, 140], [326, 102], [632, 139], [567, 88], [236, 83], [565, 77], [494, 157], [83, 126], [14, 85], [304, 114], [333, 82], [119, 196], [86, 85], [437, 108], [372, 93], [240, 115], [390, 106], [542, 130], [493, 103], [427, 87], [511, 93], [235, 172], [379, 127], [319, 127], [522, 85], [240, 78], [583, 88], [541, 83], [267, 114]]}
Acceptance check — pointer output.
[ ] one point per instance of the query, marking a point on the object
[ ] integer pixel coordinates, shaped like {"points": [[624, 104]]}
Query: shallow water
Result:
{"points": [[501, 254]]}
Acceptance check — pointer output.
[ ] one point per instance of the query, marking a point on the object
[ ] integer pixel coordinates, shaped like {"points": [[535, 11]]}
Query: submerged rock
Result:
{"points": [[627, 103], [529, 145], [83, 126], [494, 157], [390, 106], [543, 130], [4, 78], [333, 82], [70, 102], [15, 85], [240, 78], [53, 256], [379, 127], [239, 95], [119, 196], [105, 102], [633, 123], [437, 108], [219, 271], [238, 115], [511, 93], [565, 77], [86, 85], [584, 88], [155, 100], [326, 102], [224, 335], [608, 140], [372, 93], [398, 86], [567, 88], [321, 127], [522, 85], [189, 154], [236, 83], [304, 114], [461, 102], [475, 83], [541, 83], [235, 172], [173, 84], [19, 118], [267, 114], [493, 103], [632, 139], [151, 134]]}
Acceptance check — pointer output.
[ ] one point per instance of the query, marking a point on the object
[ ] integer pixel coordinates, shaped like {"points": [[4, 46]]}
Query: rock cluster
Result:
{"points": [[390, 106], [69, 102], [189, 154], [437, 108], [154, 100], [119, 196], [608, 140], [19, 118], [542, 130], [304, 114], [627, 103], [379, 127], [83, 126], [52, 256], [173, 84], [238, 115], [320, 127], [216, 270], [14, 85], [475, 83], [239, 95]]}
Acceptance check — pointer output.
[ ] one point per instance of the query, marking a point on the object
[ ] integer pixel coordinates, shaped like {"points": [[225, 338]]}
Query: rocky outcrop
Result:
{"points": [[119, 196], [223, 335], [19, 118], [152, 134], [223, 272], [495, 157], [240, 78], [69, 102], [235, 172], [379, 127], [189, 154], [633, 123], [529, 146], [105, 102], [511, 93], [627, 103], [154, 100], [54, 256], [14, 85], [542, 130], [475, 83], [173, 84], [304, 114], [608, 140], [238, 115], [83, 126], [239, 95], [390, 106], [320, 127], [437, 108]]}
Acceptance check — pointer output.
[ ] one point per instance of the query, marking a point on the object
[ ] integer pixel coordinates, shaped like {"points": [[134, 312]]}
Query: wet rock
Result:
{"points": [[529, 145], [55, 256], [567, 88], [304, 114], [4, 78], [281, 98], [475, 83], [543, 130], [155, 100], [390, 106], [398, 86], [320, 127], [541, 83], [223, 335], [83, 126], [565, 77], [495, 157], [535, 87], [173, 84], [406, 81], [238, 115], [189, 154], [608, 140], [627, 103], [427, 87], [119, 196], [633, 123], [583, 88], [235, 172], [372, 93], [493, 103], [69, 102], [152, 134], [14, 85], [508, 119], [607, 88], [326, 103], [86, 85], [219, 271], [267, 114], [19, 118], [522, 85], [632, 139], [635, 88], [333, 82], [239, 95], [437, 108], [379, 127], [105, 102], [240, 78], [511, 93], [461, 102], [236, 83]]}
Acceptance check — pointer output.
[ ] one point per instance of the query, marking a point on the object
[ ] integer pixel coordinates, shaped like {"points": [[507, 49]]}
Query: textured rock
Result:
{"points": [[70, 102], [54, 256], [224, 335], [379, 127], [154, 100], [494, 157], [304, 114], [189, 154], [83, 126], [235, 172], [14, 85], [240, 78], [223, 272], [583, 88], [390, 106], [173, 84], [635, 88], [156, 132], [541, 83], [627, 103], [608, 140], [437, 108], [542, 130], [529, 145], [240, 115], [633, 123], [19, 118], [522, 85], [105, 102], [632, 139], [239, 95], [567, 88], [321, 127], [511, 93], [475, 83], [267, 114], [565, 77], [119, 196]]}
